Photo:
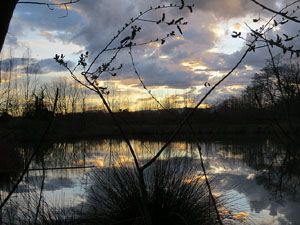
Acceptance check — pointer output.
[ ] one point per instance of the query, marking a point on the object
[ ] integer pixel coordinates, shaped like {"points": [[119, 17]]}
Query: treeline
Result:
{"points": [[23, 94], [272, 97], [26, 97]]}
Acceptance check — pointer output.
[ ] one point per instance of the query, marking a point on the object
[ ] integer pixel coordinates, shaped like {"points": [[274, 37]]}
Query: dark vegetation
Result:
{"points": [[176, 195], [272, 98], [11, 164], [223, 121]]}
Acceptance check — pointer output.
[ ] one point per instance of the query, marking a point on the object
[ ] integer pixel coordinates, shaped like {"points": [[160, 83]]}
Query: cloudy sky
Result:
{"points": [[180, 67]]}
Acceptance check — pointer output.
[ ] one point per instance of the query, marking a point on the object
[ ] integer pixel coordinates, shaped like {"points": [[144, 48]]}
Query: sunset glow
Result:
{"points": [[204, 52]]}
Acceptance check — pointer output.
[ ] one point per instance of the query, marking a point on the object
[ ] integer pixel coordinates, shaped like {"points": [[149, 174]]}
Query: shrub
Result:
{"points": [[176, 195]]}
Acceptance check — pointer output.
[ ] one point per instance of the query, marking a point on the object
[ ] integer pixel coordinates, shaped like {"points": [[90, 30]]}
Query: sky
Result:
{"points": [[183, 67]]}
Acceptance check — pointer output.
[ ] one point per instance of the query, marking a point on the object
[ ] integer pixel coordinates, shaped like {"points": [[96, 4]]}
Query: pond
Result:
{"points": [[259, 179]]}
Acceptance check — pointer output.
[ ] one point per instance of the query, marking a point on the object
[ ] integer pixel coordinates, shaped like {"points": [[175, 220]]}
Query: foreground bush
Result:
{"points": [[176, 195]]}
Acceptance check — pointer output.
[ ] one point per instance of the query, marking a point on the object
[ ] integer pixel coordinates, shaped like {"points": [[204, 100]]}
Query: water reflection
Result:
{"points": [[260, 178], [11, 164]]}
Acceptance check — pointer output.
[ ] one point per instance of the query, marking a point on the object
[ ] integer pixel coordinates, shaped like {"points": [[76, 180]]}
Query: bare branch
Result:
{"points": [[284, 14], [67, 12], [144, 86], [49, 4]]}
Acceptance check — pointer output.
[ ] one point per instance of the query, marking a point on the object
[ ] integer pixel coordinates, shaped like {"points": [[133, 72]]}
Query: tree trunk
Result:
{"points": [[7, 8]]}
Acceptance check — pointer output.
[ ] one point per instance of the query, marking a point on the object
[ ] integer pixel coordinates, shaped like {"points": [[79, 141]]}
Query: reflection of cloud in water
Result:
{"points": [[239, 181], [100, 161], [251, 176], [229, 155], [58, 183], [241, 216], [123, 159], [234, 175], [23, 188], [195, 178], [260, 201]]}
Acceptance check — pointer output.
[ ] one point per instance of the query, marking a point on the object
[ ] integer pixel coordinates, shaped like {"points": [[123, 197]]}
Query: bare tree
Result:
{"points": [[83, 94], [8, 69], [29, 78], [74, 94]]}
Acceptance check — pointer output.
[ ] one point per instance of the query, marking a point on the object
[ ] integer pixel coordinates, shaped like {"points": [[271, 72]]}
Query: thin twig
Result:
{"points": [[64, 168], [49, 4], [279, 13], [143, 84], [67, 12], [205, 174], [208, 184]]}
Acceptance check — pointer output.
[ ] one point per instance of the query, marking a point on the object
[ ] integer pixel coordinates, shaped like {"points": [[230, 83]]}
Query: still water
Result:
{"points": [[260, 180]]}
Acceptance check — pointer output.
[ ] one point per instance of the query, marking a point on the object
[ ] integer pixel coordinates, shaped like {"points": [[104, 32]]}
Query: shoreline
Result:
{"points": [[22, 131]]}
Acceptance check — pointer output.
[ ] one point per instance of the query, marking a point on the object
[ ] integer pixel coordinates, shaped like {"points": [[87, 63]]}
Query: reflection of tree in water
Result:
{"points": [[279, 164], [11, 164], [61, 154], [283, 174]]}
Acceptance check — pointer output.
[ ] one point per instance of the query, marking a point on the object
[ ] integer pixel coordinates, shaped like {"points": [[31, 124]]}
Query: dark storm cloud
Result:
{"points": [[202, 77], [171, 46], [35, 66], [225, 62], [12, 63], [103, 20], [188, 48], [41, 17], [155, 74], [49, 65]]}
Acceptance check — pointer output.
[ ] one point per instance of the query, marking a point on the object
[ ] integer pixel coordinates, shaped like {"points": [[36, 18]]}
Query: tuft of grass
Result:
{"points": [[177, 195]]}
